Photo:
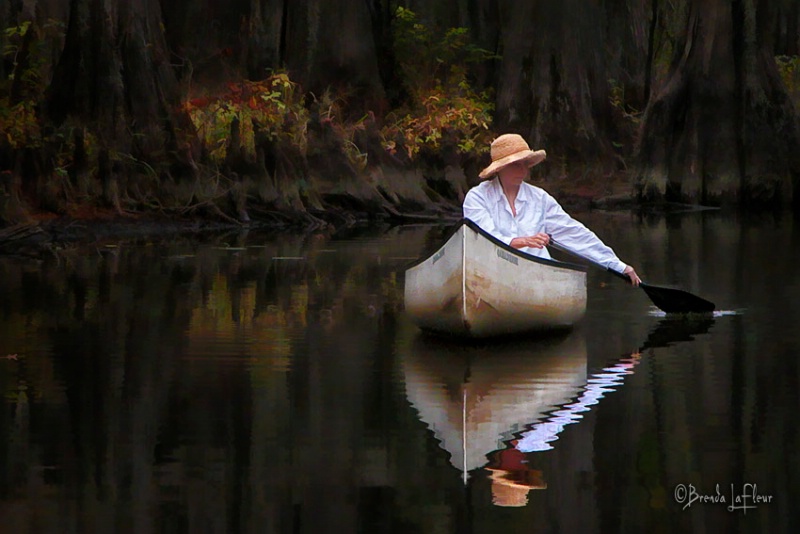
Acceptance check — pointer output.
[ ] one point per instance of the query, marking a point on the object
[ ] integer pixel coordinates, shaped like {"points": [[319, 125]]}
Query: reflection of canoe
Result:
{"points": [[475, 285], [474, 399]]}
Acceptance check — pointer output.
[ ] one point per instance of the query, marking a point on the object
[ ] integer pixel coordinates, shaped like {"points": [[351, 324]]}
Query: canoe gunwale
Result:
{"points": [[471, 293], [508, 248]]}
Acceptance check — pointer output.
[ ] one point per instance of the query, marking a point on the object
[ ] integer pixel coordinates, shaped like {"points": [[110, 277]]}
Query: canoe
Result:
{"points": [[477, 286]]}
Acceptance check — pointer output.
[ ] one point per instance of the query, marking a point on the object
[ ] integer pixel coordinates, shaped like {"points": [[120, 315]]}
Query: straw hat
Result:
{"points": [[510, 488], [510, 148]]}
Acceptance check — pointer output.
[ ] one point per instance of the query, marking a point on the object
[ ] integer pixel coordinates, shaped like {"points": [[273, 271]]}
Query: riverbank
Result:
{"points": [[46, 233]]}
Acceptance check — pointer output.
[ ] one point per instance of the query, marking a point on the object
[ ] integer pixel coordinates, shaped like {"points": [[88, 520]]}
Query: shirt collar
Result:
{"points": [[522, 194]]}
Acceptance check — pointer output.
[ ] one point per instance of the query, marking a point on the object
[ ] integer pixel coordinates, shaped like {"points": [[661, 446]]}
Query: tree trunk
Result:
{"points": [[651, 51], [722, 130], [329, 44], [115, 75], [786, 34], [627, 45], [5, 19], [552, 86], [266, 33]]}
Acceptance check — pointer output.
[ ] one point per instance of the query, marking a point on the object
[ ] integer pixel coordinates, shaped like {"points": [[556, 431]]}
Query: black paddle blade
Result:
{"points": [[673, 300]]}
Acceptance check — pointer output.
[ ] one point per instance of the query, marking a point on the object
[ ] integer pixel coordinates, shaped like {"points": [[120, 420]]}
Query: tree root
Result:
{"points": [[20, 232], [214, 209]]}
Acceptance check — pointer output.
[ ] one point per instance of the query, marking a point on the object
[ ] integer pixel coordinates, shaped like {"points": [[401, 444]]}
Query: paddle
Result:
{"points": [[668, 299]]}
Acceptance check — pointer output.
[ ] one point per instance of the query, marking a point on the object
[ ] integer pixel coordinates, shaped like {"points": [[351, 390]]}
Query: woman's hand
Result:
{"points": [[534, 241], [635, 280]]}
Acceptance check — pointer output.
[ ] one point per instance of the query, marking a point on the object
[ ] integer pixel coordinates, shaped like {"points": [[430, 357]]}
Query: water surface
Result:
{"points": [[271, 383]]}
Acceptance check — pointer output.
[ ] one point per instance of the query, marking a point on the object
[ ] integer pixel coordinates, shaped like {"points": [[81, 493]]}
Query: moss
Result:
{"points": [[789, 70]]}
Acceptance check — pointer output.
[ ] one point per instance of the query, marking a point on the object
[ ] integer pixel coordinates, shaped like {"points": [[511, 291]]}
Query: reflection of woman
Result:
{"points": [[512, 478], [524, 216], [511, 475]]}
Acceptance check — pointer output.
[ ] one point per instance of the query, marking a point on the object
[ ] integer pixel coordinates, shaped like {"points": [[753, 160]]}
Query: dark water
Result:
{"points": [[254, 383]]}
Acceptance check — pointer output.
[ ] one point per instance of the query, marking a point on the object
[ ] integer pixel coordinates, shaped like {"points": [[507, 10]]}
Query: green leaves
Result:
{"points": [[274, 104], [443, 107], [19, 31], [19, 124], [789, 69]]}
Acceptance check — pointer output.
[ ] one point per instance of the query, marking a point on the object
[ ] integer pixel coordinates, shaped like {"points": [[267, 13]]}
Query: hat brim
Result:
{"points": [[531, 157], [508, 496]]}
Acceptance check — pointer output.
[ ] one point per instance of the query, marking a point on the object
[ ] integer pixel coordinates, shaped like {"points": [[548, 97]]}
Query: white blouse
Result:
{"points": [[487, 206]]}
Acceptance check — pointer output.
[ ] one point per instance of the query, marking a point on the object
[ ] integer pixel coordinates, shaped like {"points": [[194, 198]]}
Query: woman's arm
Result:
{"points": [[575, 236]]}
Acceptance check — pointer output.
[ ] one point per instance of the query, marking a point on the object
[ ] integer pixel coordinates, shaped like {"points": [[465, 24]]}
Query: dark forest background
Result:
{"points": [[311, 110]]}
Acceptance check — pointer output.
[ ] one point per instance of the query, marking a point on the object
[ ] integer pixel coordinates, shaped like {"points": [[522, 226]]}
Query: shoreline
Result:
{"points": [[46, 233]]}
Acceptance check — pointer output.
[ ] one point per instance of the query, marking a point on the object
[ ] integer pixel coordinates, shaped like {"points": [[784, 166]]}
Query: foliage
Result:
{"points": [[332, 110], [18, 121], [14, 50], [19, 125], [621, 104], [274, 106], [426, 61], [443, 107], [462, 120], [26, 50], [789, 69]]}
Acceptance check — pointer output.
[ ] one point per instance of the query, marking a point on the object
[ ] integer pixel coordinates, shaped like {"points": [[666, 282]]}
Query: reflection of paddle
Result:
{"points": [[668, 299], [540, 435], [669, 331]]}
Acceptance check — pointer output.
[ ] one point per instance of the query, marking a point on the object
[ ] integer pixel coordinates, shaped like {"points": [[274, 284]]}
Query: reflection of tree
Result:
{"points": [[194, 388], [207, 386]]}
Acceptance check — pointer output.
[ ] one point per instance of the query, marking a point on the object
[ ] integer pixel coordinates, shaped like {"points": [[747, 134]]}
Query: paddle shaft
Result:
{"points": [[670, 300], [558, 246]]}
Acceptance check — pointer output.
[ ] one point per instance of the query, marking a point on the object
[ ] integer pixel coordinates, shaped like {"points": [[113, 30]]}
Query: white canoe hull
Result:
{"points": [[477, 286]]}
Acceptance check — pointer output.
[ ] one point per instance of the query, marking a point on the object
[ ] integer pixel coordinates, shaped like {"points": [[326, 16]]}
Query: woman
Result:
{"points": [[525, 216]]}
